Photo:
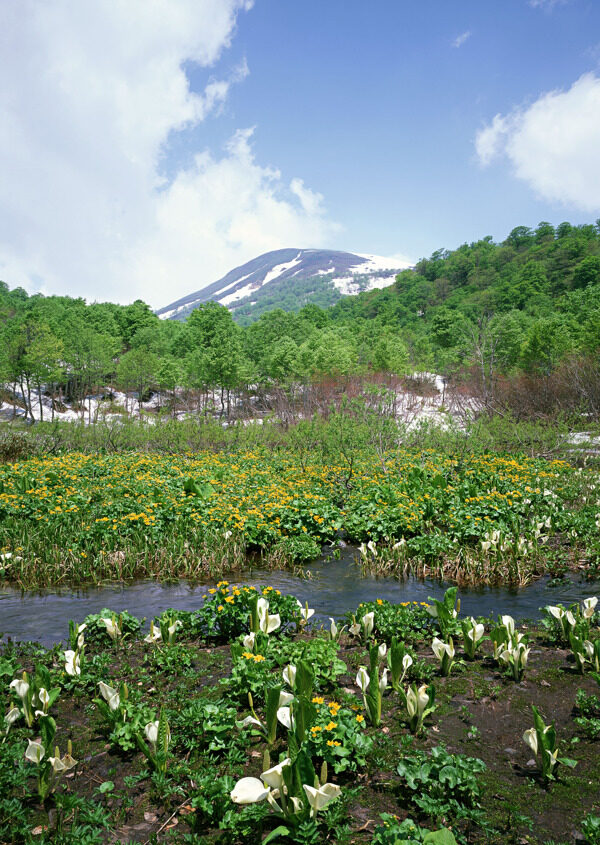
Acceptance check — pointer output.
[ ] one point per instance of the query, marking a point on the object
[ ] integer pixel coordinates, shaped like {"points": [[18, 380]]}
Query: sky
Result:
{"points": [[147, 147]]}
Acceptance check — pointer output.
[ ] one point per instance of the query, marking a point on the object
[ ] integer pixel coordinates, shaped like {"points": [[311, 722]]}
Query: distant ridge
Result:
{"points": [[290, 276]]}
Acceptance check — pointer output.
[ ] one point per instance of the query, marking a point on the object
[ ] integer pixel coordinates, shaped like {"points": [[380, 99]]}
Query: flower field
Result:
{"points": [[72, 511], [243, 722]]}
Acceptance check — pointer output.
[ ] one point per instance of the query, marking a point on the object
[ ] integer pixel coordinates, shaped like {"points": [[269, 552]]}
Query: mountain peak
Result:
{"points": [[306, 274]]}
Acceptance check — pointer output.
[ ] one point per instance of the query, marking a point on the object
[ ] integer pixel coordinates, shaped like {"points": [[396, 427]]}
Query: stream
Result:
{"points": [[333, 588]]}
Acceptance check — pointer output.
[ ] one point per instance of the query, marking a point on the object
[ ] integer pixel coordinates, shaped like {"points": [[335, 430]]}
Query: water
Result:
{"points": [[335, 586]]}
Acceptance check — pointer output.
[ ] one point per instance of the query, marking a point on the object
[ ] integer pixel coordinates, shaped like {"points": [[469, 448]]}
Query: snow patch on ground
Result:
{"points": [[349, 286], [379, 262]]}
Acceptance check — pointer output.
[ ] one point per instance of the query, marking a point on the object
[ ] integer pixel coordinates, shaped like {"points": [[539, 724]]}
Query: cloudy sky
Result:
{"points": [[149, 146]]}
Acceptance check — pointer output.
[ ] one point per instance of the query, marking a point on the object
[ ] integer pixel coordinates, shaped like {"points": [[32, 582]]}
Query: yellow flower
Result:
{"points": [[220, 608], [360, 718], [379, 601], [331, 726], [230, 599], [333, 742], [318, 700]]}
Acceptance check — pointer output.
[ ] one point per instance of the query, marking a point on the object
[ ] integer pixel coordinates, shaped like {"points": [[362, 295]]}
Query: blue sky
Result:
{"points": [[388, 127]]}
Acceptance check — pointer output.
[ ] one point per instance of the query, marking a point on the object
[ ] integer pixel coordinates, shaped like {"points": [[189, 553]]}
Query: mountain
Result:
{"points": [[289, 279]]}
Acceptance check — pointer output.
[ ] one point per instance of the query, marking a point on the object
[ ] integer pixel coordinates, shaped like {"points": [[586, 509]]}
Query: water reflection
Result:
{"points": [[335, 586]]}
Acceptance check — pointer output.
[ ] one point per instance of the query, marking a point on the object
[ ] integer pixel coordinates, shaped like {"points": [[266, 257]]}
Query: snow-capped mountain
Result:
{"points": [[295, 276]]}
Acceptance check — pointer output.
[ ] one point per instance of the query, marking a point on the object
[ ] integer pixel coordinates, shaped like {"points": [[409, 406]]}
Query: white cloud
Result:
{"points": [[547, 4], [89, 95], [552, 144], [460, 39], [489, 140], [220, 213]]}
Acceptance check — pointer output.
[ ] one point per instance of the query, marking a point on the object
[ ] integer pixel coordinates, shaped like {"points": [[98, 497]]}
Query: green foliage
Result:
{"points": [[318, 652], [590, 827], [588, 720], [96, 631], [337, 735], [443, 785], [225, 613], [406, 832], [408, 621]]}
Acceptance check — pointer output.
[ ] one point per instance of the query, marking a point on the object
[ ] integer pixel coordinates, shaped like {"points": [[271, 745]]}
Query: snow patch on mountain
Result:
{"points": [[344, 272]]}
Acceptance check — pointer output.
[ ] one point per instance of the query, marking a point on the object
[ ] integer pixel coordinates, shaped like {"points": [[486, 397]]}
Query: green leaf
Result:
{"points": [[271, 707], [443, 836], [282, 830]]}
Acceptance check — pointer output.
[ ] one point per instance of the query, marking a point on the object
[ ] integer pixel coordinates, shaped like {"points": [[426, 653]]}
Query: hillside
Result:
{"points": [[289, 279]]}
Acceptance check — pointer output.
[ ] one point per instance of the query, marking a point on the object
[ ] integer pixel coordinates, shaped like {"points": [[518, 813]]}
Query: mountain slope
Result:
{"points": [[289, 278]]}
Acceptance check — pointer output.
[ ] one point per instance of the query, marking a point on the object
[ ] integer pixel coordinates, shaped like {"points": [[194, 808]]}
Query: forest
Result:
{"points": [[516, 323]]}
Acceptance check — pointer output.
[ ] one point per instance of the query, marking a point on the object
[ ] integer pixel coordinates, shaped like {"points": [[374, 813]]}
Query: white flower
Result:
{"points": [[72, 662], [110, 695], [285, 698], [20, 687], [151, 731], [440, 648], [382, 651], [155, 635], [407, 662], [35, 752], [227, 534], [249, 720], [557, 612], [249, 641], [12, 716], [267, 623], [273, 777], [368, 622], [333, 628], [476, 631], [284, 716], [305, 611], [399, 544], [249, 791], [44, 697], [57, 764], [321, 797], [372, 548], [509, 624], [175, 626], [383, 682], [362, 679], [588, 607], [289, 675], [112, 628], [530, 737], [416, 703], [363, 549]]}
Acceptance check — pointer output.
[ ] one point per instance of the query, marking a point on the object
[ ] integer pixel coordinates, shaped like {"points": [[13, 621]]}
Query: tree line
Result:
{"points": [[524, 306]]}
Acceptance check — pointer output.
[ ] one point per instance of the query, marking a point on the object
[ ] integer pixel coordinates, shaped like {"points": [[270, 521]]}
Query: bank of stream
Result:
{"points": [[332, 587]]}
